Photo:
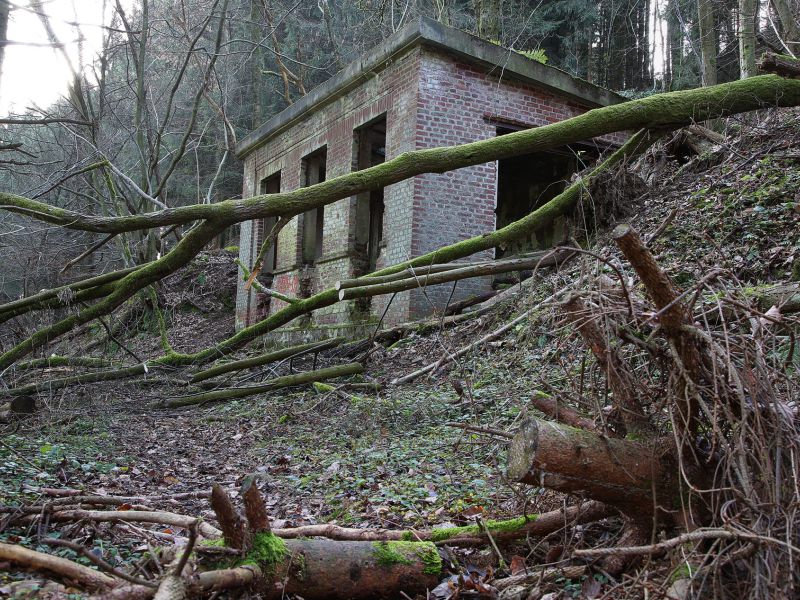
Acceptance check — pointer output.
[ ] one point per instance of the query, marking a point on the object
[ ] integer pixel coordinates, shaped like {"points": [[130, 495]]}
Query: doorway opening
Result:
{"points": [[313, 172], [524, 183], [369, 149]]}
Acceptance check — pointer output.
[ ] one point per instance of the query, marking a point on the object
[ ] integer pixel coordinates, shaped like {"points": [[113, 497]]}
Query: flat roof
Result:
{"points": [[425, 31]]}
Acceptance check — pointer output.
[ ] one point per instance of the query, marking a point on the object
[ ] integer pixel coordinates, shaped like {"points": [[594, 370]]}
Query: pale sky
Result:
{"points": [[40, 75]]}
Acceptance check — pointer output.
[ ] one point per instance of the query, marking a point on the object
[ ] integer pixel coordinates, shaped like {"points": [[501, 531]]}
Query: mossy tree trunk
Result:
{"points": [[661, 111]]}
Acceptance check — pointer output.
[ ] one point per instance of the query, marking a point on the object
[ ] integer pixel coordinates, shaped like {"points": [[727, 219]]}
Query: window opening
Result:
{"points": [[269, 185]]}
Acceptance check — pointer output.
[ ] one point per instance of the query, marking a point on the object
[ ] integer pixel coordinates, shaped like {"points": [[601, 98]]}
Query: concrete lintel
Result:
{"points": [[502, 62]]}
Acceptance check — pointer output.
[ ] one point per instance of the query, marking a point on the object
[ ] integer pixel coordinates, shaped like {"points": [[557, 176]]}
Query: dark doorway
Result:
{"points": [[524, 183], [313, 172], [270, 185], [369, 150]]}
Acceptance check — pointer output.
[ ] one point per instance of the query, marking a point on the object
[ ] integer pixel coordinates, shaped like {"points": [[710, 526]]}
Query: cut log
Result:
{"points": [[332, 570], [633, 476], [780, 64]]}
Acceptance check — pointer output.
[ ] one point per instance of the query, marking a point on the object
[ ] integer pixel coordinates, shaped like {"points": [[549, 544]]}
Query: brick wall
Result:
{"points": [[429, 100], [391, 91], [460, 103]]}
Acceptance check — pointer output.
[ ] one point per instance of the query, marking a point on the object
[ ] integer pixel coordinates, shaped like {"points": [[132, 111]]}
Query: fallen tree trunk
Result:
{"points": [[53, 298], [456, 274], [537, 525], [50, 362], [271, 385], [327, 569], [660, 111], [53, 385], [265, 359], [409, 273], [780, 64], [632, 476], [313, 569], [73, 572], [456, 307]]}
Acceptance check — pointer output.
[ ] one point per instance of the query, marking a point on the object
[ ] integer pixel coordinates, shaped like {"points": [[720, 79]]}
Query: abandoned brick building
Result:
{"points": [[425, 86]]}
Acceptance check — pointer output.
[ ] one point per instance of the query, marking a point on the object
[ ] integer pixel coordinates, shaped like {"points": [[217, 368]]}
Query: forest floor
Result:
{"points": [[392, 458]]}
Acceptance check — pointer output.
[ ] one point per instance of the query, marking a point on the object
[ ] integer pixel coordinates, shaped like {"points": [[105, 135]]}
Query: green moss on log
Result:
{"points": [[388, 554], [267, 552], [494, 527]]}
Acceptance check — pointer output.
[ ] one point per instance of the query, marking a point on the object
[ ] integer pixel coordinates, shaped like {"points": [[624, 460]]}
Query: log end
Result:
{"points": [[621, 230], [341, 295], [522, 451]]}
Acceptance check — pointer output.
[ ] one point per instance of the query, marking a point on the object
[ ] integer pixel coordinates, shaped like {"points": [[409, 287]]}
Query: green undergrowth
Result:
{"points": [[79, 453]]}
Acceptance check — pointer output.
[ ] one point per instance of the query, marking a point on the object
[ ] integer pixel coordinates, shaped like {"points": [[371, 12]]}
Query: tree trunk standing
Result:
{"points": [[4, 10], [747, 38], [256, 63], [790, 25], [708, 42]]}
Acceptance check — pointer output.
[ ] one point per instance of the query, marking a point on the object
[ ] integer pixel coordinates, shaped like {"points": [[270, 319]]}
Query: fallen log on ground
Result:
{"points": [[534, 525], [88, 362], [53, 385], [268, 386], [456, 307], [265, 359], [17, 408], [72, 572], [780, 64], [64, 295], [537, 525], [409, 273]]}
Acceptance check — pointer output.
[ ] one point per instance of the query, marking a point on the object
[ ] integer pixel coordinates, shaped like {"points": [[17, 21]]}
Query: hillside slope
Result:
{"points": [[399, 457]]}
